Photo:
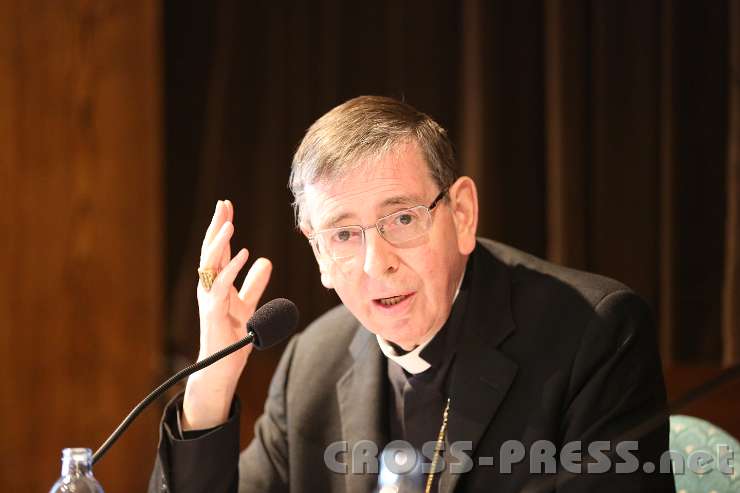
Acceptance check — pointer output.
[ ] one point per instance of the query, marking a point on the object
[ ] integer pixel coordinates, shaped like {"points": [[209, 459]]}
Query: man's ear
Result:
{"points": [[464, 206], [324, 264]]}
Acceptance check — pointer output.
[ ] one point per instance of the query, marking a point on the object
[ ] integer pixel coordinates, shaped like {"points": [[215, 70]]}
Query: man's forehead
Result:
{"points": [[367, 190]]}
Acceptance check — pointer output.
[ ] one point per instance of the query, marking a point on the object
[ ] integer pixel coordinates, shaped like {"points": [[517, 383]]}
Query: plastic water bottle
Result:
{"points": [[77, 473]]}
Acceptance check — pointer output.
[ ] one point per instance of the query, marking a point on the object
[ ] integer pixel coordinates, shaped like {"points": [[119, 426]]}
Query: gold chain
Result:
{"points": [[438, 447]]}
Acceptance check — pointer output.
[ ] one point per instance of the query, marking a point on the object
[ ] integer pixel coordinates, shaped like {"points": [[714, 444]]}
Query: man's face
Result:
{"points": [[425, 274]]}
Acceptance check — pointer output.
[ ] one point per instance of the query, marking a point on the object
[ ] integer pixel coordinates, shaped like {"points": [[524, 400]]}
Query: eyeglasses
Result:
{"points": [[398, 229]]}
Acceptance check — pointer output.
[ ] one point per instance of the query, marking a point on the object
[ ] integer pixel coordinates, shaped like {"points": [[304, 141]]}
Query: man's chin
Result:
{"points": [[407, 343]]}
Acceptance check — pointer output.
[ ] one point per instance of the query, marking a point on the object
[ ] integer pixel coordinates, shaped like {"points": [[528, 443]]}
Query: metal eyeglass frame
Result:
{"points": [[312, 239]]}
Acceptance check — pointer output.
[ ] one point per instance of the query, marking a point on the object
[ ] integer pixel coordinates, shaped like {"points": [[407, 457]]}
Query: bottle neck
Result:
{"points": [[76, 462]]}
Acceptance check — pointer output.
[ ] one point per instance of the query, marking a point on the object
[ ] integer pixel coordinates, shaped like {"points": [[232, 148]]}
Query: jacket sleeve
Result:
{"points": [[198, 461], [616, 394], [209, 461], [264, 465]]}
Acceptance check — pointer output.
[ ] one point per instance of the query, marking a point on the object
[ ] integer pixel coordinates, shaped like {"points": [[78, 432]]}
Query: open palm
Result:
{"points": [[224, 312]]}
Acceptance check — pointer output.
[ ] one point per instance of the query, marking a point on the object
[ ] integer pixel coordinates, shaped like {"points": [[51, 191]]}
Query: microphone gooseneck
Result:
{"points": [[270, 324]]}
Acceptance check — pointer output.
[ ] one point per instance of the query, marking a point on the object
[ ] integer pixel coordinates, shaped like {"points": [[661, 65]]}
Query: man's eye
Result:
{"points": [[405, 219], [343, 235]]}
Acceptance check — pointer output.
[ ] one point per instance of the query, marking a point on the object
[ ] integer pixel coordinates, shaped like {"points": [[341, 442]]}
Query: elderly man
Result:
{"points": [[489, 369]]}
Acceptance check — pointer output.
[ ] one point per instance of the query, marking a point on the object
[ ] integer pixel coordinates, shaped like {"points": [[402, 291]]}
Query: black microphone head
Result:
{"points": [[273, 322]]}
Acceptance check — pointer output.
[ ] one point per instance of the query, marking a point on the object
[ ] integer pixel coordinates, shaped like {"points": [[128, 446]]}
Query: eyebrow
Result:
{"points": [[404, 200]]}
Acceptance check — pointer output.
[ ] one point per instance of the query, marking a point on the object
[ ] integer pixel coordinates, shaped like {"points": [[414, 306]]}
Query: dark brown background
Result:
{"points": [[604, 135]]}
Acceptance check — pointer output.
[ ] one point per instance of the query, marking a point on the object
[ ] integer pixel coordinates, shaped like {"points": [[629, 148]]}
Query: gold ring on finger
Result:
{"points": [[207, 276]]}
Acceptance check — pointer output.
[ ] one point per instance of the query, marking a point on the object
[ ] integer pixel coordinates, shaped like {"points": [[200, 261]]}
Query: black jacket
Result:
{"points": [[548, 353]]}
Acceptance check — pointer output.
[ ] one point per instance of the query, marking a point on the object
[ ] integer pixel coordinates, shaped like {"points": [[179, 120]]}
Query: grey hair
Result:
{"points": [[367, 127]]}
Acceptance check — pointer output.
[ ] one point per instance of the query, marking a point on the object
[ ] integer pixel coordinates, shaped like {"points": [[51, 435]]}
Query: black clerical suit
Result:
{"points": [[542, 353]]}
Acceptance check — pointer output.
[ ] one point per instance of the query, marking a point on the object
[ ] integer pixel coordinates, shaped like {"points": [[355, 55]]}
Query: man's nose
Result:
{"points": [[380, 256]]}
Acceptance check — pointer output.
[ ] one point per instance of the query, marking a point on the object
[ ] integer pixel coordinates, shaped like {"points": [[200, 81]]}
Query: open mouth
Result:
{"points": [[393, 300]]}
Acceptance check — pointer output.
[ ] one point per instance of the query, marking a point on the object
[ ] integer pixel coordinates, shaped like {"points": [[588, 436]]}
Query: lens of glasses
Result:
{"points": [[405, 225], [342, 242]]}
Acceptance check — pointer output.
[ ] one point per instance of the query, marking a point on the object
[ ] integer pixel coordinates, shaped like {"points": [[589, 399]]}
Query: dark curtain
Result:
{"points": [[602, 135]]}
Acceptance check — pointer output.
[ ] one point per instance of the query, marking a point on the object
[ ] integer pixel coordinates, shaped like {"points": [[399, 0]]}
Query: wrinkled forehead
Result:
{"points": [[368, 191]]}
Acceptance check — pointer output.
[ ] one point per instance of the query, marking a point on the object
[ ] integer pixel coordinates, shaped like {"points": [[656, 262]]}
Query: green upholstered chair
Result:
{"points": [[689, 435]]}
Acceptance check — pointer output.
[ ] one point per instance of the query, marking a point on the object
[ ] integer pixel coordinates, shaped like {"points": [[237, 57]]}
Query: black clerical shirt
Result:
{"points": [[416, 401]]}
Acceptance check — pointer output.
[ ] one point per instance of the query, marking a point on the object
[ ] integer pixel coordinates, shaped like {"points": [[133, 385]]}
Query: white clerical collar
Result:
{"points": [[412, 362]]}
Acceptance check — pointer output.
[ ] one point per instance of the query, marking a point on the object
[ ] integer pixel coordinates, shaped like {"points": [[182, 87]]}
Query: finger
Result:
{"points": [[226, 256], [237, 308], [256, 282], [229, 210], [216, 222], [225, 279], [212, 255]]}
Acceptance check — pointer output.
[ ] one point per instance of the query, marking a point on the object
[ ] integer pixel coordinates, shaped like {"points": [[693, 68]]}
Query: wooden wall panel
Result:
{"points": [[81, 217]]}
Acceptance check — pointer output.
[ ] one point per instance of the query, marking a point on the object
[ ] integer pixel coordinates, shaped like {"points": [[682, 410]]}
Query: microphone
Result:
{"points": [[273, 322], [270, 324]]}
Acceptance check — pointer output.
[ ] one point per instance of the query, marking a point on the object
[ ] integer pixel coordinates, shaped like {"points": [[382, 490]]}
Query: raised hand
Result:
{"points": [[223, 312]]}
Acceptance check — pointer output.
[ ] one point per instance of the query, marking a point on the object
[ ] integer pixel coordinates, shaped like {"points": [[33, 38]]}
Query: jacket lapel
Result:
{"points": [[480, 380], [482, 374], [362, 406]]}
